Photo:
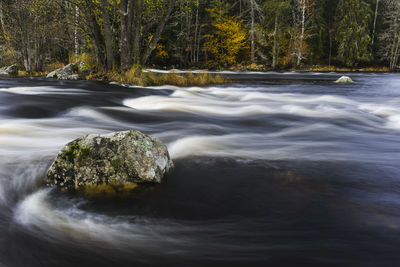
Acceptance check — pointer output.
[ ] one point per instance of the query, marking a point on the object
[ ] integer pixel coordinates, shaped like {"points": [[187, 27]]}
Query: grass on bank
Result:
{"points": [[136, 76], [343, 69], [24, 73]]}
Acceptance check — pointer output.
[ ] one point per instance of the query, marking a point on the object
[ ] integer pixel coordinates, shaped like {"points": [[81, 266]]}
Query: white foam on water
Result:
{"points": [[36, 213], [89, 113], [242, 102], [390, 113], [43, 90], [290, 143]]}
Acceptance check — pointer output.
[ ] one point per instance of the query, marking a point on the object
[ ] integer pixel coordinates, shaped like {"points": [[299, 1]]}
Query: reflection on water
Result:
{"points": [[275, 165]]}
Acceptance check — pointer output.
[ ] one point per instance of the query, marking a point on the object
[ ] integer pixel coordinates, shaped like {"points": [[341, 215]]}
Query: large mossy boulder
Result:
{"points": [[97, 164]]}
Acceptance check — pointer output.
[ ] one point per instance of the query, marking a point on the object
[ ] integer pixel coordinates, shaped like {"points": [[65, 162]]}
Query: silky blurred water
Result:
{"points": [[280, 169]]}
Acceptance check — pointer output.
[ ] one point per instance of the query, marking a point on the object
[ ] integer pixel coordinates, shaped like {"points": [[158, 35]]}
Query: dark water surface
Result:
{"points": [[285, 169]]}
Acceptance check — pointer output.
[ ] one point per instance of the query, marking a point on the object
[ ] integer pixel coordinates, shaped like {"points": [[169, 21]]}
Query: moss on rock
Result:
{"points": [[109, 164]]}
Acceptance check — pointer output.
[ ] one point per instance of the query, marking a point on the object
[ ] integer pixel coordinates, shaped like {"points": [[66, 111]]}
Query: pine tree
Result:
{"points": [[352, 32]]}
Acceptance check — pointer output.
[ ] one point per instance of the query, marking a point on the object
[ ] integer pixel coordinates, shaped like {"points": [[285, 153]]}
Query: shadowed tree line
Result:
{"points": [[114, 35]]}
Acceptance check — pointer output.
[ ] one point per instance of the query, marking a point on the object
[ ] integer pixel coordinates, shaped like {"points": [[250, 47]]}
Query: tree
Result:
{"points": [[115, 34], [160, 27], [126, 15], [375, 17], [228, 39], [390, 37], [352, 31], [271, 32], [107, 34]]}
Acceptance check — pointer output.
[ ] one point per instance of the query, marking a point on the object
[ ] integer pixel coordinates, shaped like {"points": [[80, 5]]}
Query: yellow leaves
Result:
{"points": [[7, 37], [227, 42], [159, 47], [161, 50]]}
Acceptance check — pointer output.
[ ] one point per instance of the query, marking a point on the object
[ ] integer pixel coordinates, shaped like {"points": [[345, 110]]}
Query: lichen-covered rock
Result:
{"points": [[109, 163], [73, 77], [344, 79], [66, 72], [72, 71]]}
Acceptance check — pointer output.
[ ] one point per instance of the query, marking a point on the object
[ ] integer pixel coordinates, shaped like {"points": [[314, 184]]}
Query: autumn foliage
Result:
{"points": [[227, 42]]}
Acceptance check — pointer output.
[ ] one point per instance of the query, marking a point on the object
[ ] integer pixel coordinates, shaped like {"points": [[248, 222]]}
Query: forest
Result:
{"points": [[114, 35]]}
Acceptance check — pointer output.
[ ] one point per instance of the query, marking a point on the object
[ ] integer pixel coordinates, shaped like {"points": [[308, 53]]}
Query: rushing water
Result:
{"points": [[282, 169]]}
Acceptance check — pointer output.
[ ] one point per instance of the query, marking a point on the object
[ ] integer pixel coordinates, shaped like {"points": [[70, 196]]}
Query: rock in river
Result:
{"points": [[109, 163], [344, 79], [10, 70], [72, 71]]}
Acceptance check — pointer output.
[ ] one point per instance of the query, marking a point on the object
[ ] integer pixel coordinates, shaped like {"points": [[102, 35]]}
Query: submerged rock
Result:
{"points": [[96, 164], [344, 79]]}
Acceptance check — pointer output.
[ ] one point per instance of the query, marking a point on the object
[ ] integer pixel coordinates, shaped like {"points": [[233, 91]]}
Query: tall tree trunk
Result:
{"points": [[196, 32], [97, 39], [27, 60], [158, 32], [125, 31], [330, 48], [2, 18], [137, 20], [188, 25], [37, 48], [198, 46], [24, 37], [395, 52], [303, 18], [107, 35], [252, 6], [375, 17], [76, 41], [274, 55]]}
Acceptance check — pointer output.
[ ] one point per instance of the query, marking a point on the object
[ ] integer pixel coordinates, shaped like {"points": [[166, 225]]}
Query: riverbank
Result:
{"points": [[139, 77], [319, 68], [157, 77]]}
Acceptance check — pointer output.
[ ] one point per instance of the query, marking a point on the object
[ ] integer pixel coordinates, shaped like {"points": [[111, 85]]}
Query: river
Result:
{"points": [[275, 169]]}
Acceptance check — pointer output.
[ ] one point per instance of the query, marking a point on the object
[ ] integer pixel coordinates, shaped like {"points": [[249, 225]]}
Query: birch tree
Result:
{"points": [[390, 37], [301, 21], [374, 26], [271, 32]]}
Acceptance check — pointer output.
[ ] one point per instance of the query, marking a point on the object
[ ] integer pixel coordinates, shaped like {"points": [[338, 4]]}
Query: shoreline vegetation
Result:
{"points": [[143, 77]]}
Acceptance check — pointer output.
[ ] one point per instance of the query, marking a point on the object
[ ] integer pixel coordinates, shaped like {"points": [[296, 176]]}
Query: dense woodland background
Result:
{"points": [[257, 34]]}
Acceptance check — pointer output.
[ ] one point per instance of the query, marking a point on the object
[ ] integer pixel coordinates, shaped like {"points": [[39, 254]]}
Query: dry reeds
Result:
{"points": [[136, 76]]}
